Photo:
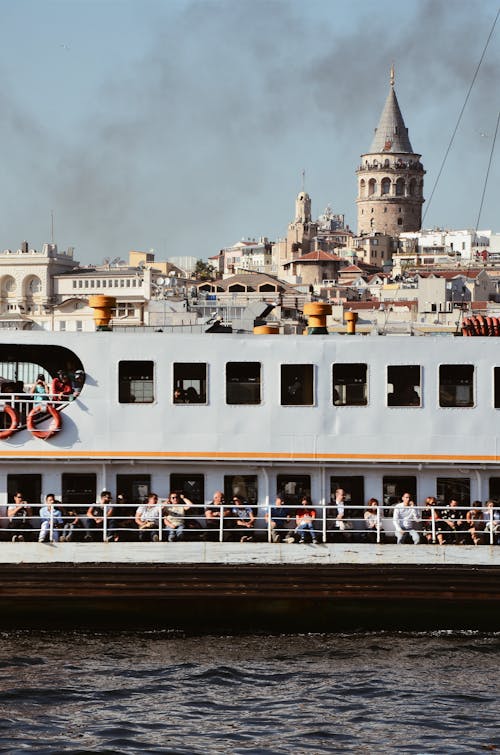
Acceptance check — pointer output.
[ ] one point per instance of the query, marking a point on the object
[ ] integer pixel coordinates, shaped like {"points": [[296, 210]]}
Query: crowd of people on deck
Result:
{"points": [[176, 518]]}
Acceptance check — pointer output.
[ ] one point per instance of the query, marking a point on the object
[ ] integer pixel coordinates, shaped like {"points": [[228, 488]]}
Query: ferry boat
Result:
{"points": [[255, 415]]}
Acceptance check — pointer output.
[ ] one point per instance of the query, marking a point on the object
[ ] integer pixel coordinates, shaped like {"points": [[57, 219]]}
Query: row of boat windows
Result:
{"points": [[80, 489], [349, 384]]}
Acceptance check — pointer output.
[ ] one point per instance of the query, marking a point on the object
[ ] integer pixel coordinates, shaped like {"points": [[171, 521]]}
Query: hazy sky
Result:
{"points": [[183, 126]]}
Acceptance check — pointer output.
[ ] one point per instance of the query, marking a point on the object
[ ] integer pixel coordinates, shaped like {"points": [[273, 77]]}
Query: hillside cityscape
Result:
{"points": [[396, 275]]}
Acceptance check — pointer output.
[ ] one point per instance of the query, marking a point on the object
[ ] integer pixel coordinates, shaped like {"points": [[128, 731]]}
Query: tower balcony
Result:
{"points": [[395, 167]]}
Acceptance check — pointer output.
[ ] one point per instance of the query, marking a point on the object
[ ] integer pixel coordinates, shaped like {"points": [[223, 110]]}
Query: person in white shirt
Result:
{"points": [[406, 519]]}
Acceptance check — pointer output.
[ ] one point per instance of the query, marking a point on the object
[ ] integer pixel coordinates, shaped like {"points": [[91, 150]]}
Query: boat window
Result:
{"points": [[243, 382], [192, 485], [456, 385], [297, 385], [494, 490], [453, 487], [78, 490], [496, 387], [244, 485], [349, 384], [354, 489], [30, 485], [135, 382], [190, 383], [403, 385], [133, 487], [393, 488], [293, 488]]}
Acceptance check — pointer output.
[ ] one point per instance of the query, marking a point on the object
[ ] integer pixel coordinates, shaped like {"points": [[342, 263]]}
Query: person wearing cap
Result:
{"points": [[77, 382]]}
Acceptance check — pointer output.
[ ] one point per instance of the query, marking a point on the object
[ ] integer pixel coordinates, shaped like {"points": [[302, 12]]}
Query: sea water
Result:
{"points": [[162, 692]]}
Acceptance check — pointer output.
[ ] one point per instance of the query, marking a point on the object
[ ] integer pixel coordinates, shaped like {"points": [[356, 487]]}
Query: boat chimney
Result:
{"points": [[317, 313], [260, 330], [351, 319], [102, 306]]}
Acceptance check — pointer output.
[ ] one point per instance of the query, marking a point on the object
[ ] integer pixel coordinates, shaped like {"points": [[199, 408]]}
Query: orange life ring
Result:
{"points": [[55, 425], [14, 421]]}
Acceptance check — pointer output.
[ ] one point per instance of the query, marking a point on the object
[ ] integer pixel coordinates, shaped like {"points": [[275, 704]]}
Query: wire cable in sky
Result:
{"points": [[487, 172], [460, 116]]}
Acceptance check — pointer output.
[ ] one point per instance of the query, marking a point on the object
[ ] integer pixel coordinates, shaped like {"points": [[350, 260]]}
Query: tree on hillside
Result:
{"points": [[204, 270]]}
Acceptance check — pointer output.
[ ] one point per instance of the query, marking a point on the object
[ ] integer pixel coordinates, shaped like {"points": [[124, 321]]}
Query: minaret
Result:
{"points": [[390, 177]]}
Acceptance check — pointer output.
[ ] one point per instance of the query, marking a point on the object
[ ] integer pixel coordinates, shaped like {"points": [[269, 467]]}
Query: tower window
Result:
{"points": [[400, 221]]}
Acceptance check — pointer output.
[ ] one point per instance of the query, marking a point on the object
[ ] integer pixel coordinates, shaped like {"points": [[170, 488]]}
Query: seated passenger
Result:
{"points": [[372, 517], [403, 395], [50, 517], [491, 516], [71, 523], [304, 519], [215, 512], [455, 519], [406, 520], [433, 523], [175, 512], [147, 518], [191, 396], [96, 514], [475, 523], [20, 516], [243, 520], [277, 518]]}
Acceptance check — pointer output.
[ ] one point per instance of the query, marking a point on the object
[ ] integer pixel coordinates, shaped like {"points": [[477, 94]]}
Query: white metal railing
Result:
{"points": [[326, 526]]}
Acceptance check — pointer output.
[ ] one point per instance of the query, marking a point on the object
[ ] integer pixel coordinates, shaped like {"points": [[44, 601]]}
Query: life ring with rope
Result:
{"points": [[14, 421], [53, 428]]}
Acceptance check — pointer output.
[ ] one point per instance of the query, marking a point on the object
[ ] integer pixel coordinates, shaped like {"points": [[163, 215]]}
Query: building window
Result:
{"points": [[62, 325], [403, 385], [80, 284], [87, 283], [190, 383], [104, 284], [457, 488], [79, 326], [134, 282], [74, 284], [400, 221], [297, 385], [385, 185], [243, 382], [350, 384], [128, 282], [135, 382], [115, 283], [98, 284], [122, 283], [456, 385]]}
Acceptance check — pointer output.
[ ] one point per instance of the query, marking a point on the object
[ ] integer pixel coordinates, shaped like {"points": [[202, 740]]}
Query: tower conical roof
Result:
{"points": [[391, 134]]}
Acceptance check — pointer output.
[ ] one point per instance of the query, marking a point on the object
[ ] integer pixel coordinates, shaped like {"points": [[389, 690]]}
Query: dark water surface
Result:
{"points": [[159, 692]]}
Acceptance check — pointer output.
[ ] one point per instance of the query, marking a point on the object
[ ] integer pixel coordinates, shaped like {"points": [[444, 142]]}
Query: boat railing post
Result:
{"points": [[51, 525], [269, 538], [433, 526], [323, 523], [105, 523], [492, 540], [221, 523], [378, 525]]}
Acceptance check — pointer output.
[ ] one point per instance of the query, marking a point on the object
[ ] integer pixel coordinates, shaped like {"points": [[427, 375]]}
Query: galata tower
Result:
{"points": [[390, 177]]}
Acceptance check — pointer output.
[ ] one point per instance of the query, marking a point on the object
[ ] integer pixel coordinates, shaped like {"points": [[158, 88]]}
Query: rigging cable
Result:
{"points": [[461, 114], [487, 172]]}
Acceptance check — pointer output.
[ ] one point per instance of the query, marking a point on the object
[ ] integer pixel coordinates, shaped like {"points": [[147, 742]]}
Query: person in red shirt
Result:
{"points": [[61, 387], [304, 519]]}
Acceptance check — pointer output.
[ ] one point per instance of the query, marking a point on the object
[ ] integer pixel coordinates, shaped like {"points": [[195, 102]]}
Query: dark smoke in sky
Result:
{"points": [[204, 139]]}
